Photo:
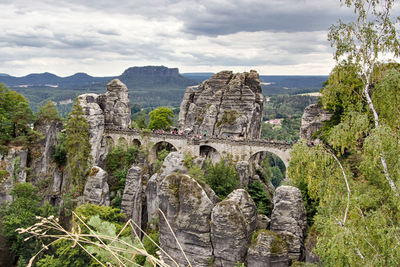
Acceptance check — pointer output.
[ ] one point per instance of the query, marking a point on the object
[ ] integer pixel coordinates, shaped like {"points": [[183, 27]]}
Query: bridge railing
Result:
{"points": [[198, 140]]}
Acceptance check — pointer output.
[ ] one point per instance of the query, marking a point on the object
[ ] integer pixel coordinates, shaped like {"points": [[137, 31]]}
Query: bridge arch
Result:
{"points": [[210, 152], [283, 154], [122, 142], [136, 142], [268, 166], [109, 142], [158, 147]]}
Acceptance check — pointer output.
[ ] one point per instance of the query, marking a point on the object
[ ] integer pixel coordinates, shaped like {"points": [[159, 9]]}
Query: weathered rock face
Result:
{"points": [[14, 165], [226, 105], [152, 196], [233, 220], [173, 162], [44, 167], [95, 117], [115, 104], [110, 109], [96, 188], [243, 169], [289, 219], [312, 120], [132, 201], [268, 249], [41, 165], [188, 210], [263, 221]]}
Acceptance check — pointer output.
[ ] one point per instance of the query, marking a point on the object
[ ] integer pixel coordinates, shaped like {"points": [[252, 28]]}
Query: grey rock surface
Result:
{"points": [[15, 165], [188, 210], [267, 250], [225, 105], [96, 188], [152, 196], [95, 117], [115, 104], [289, 219], [233, 221], [263, 222], [41, 165], [243, 169], [132, 198], [173, 162], [312, 120]]}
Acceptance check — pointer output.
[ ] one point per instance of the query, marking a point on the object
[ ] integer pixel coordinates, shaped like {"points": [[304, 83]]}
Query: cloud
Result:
{"points": [[103, 38]]}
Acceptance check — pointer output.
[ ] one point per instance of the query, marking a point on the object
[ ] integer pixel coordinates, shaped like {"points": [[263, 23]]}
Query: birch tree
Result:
{"points": [[363, 42]]}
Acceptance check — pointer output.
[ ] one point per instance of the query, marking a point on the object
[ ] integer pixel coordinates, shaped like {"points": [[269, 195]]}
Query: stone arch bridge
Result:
{"points": [[239, 149]]}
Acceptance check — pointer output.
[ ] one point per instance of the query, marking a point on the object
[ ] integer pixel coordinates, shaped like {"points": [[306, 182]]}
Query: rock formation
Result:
{"points": [[312, 120], [41, 165], [225, 105], [233, 220], [188, 210], [173, 162], [243, 169], [268, 249], [96, 188], [115, 104], [14, 171], [289, 219], [95, 117], [111, 108], [132, 198], [263, 222]]}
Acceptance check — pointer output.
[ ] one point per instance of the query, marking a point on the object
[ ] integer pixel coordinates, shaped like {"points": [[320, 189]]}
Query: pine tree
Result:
{"points": [[78, 147]]}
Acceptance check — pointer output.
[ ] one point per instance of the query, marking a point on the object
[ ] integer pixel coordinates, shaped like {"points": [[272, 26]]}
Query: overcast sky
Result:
{"points": [[103, 37]]}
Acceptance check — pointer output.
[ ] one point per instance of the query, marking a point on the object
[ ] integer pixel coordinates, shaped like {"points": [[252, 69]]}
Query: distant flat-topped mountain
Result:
{"points": [[154, 76]]}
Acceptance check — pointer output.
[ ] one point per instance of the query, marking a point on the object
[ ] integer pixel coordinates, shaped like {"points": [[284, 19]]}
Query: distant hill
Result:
{"points": [[51, 80], [149, 86]]}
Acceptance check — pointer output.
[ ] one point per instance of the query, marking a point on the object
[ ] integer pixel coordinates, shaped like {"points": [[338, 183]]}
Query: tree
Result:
{"points": [[48, 112], [139, 121], [78, 147], [362, 42], [349, 182], [16, 118], [22, 213], [222, 177], [161, 118]]}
